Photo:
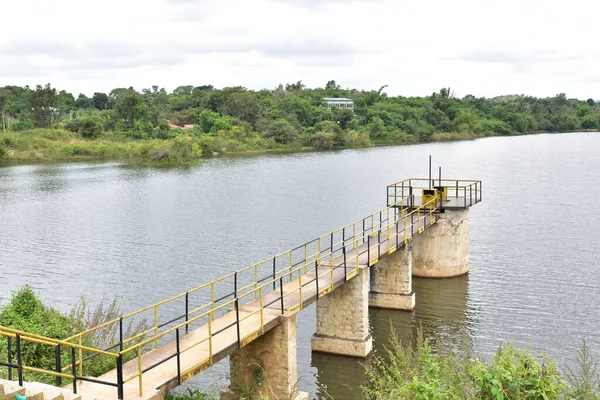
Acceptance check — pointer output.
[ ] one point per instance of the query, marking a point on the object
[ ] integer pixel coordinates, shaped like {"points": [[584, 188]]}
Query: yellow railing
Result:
{"points": [[18, 341], [314, 263], [463, 192]]}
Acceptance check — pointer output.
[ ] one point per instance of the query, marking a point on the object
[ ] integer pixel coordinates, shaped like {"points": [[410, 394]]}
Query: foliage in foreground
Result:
{"points": [[418, 372], [27, 312]]}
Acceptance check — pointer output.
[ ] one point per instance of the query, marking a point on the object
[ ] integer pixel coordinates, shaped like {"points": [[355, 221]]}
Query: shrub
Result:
{"points": [[418, 372], [323, 140], [3, 151], [74, 125], [27, 312], [91, 127]]}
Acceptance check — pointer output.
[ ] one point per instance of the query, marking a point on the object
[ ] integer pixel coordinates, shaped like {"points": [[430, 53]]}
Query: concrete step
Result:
{"points": [[9, 390], [35, 391]]}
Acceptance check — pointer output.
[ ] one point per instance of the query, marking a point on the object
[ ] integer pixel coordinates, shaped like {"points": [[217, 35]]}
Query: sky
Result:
{"points": [[484, 48]]}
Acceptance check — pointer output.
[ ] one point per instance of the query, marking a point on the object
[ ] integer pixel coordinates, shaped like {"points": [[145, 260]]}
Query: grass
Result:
{"points": [[58, 144]]}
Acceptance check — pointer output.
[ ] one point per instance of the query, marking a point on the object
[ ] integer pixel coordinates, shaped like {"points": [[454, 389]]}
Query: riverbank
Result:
{"points": [[52, 145]]}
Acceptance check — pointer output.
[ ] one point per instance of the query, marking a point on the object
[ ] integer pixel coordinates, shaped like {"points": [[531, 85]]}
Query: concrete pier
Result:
{"points": [[442, 250], [343, 319], [267, 366], [391, 281]]}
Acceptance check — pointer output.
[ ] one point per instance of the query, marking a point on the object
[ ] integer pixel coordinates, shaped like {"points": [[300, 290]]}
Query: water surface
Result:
{"points": [[111, 230]]}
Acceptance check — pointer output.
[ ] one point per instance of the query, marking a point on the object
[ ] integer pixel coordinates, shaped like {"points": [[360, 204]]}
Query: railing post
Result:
{"points": [[274, 272], [235, 285], [187, 311], [178, 357], [74, 369], [237, 309], [331, 247], [368, 251], [237, 321], [9, 355], [58, 365], [471, 194], [120, 391], [345, 272], [19, 360], [317, 278], [379, 244], [121, 334], [281, 293]]}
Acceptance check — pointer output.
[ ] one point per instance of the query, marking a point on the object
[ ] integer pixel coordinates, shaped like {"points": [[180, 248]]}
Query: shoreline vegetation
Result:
{"points": [[404, 371], [182, 127]]}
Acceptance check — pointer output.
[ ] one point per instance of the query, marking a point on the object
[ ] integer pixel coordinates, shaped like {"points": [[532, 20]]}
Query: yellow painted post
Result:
{"points": [[262, 323], [318, 250], [255, 279], [139, 357], [404, 218], [155, 326], [300, 289], [331, 275], [211, 317], [80, 356], [372, 223], [305, 260], [388, 226], [291, 263], [212, 296]]}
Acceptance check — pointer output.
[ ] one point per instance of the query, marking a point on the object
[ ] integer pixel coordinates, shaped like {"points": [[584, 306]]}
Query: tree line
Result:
{"points": [[289, 115]]}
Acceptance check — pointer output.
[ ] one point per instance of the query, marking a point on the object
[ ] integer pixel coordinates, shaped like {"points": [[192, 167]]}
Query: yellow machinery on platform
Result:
{"points": [[260, 284]]}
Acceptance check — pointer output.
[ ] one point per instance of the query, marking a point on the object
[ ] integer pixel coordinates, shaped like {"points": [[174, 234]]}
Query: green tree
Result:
{"points": [[5, 97], [281, 130], [43, 104], [132, 113], [100, 101], [83, 102]]}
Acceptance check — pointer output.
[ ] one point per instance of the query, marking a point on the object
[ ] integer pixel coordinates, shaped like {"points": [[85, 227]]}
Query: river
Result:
{"points": [[114, 230]]}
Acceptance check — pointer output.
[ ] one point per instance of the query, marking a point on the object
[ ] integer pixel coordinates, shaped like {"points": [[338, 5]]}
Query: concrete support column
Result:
{"points": [[267, 366], [343, 319], [391, 281], [442, 250]]}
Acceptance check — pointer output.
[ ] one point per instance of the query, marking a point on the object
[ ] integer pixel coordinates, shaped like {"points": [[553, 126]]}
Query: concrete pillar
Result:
{"points": [[343, 319], [442, 250], [391, 281], [266, 367]]}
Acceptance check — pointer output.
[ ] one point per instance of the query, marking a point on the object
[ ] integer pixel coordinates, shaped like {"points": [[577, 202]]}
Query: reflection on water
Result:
{"points": [[440, 313], [116, 230]]}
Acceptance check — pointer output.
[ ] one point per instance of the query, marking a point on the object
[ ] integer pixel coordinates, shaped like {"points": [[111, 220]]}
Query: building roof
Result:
{"points": [[336, 99]]}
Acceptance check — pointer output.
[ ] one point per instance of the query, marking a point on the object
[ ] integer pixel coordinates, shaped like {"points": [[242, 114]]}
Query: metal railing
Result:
{"points": [[313, 263], [460, 192]]}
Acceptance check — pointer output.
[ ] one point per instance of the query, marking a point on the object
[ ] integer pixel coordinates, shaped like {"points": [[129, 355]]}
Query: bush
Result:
{"points": [[418, 372], [3, 152], [74, 125], [91, 127], [184, 149], [27, 312], [323, 140]]}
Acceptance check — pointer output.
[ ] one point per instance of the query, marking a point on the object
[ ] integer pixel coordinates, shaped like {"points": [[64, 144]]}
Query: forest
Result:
{"points": [[47, 123]]}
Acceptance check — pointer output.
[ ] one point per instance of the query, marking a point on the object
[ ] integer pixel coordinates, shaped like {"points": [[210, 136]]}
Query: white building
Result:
{"points": [[340, 102]]}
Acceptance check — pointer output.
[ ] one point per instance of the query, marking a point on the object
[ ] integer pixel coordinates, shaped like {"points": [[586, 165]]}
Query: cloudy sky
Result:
{"points": [[479, 47]]}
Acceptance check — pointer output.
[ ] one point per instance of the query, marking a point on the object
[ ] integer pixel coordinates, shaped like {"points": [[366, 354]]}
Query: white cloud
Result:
{"points": [[483, 48]]}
